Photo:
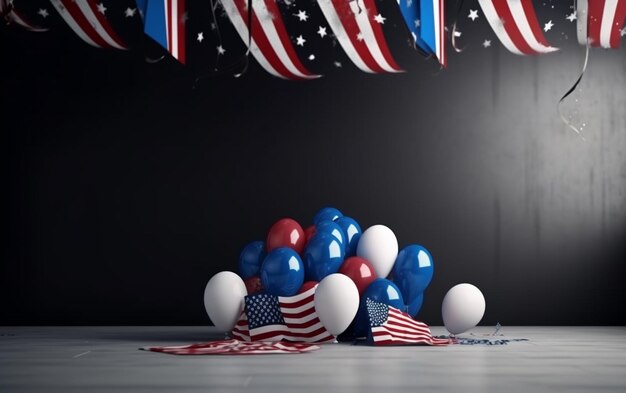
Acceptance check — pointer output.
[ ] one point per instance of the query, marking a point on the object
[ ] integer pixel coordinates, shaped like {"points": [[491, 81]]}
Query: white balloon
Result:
{"points": [[224, 299], [462, 308], [379, 245], [336, 302]]}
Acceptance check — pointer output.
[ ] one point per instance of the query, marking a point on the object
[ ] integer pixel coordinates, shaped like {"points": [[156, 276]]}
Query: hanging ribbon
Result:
{"points": [[571, 90], [456, 19]]}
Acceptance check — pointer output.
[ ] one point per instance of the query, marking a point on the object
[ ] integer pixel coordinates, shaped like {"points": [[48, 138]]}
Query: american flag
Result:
{"points": [[274, 318], [390, 326], [235, 347]]}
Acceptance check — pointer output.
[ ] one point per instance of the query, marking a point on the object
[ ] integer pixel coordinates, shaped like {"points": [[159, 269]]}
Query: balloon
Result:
{"points": [[360, 271], [378, 245], [462, 308], [282, 272], [286, 233], [323, 256], [224, 299], [327, 214], [251, 258], [309, 232], [381, 291], [413, 271], [332, 229], [352, 232], [413, 308], [336, 302], [253, 285], [307, 285]]}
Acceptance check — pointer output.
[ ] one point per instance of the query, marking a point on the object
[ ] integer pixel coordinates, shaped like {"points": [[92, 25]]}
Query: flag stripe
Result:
{"points": [[605, 19], [526, 21], [618, 24], [102, 27], [374, 37]]}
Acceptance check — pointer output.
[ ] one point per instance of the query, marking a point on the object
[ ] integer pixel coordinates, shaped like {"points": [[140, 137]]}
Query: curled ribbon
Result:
{"points": [[571, 90]]}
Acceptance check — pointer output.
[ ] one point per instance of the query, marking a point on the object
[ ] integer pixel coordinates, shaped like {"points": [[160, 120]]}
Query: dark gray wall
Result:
{"points": [[126, 189]]}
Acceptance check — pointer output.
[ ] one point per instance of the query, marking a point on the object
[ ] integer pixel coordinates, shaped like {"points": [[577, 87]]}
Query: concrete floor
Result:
{"points": [[106, 359]]}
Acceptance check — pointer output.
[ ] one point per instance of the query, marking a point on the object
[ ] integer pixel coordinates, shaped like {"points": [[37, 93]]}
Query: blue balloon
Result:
{"points": [[282, 272], [414, 307], [331, 228], [251, 259], [322, 256], [352, 232], [413, 271], [327, 214], [380, 290]]}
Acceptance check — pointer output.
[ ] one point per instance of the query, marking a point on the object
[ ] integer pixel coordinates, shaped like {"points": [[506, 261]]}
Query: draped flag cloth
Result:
{"points": [[515, 24], [11, 14], [235, 347], [274, 318], [604, 22], [164, 22], [269, 42], [360, 35], [390, 326], [87, 20], [410, 11], [432, 28]]}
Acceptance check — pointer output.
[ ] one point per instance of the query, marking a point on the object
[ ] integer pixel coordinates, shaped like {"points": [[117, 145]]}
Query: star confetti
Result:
{"points": [[486, 43], [322, 31], [622, 32], [43, 12], [200, 37], [548, 26], [473, 15], [571, 17], [311, 57], [300, 40], [220, 50], [380, 19], [302, 16], [101, 8], [130, 12]]}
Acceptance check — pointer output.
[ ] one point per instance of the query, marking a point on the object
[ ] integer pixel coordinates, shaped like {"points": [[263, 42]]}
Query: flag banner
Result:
{"points": [[605, 20], [269, 43], [390, 326], [164, 22], [515, 24], [235, 347], [274, 318], [432, 28], [87, 19], [410, 10], [357, 26], [12, 15]]}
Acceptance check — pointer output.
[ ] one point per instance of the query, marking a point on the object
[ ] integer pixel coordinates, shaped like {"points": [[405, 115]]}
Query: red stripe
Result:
{"points": [[299, 303], [181, 31], [442, 34], [284, 39], [406, 325], [168, 18], [304, 325], [618, 24], [348, 20], [105, 24], [83, 22], [531, 17], [393, 329], [262, 41], [370, 8], [301, 314], [594, 21], [267, 335], [504, 12]]}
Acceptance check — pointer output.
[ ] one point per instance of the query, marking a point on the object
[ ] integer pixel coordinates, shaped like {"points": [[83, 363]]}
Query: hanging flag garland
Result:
{"points": [[604, 22], [12, 15], [164, 21]]}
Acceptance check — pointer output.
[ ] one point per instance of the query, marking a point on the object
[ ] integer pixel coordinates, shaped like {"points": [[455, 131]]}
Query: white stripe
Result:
{"points": [[242, 29], [582, 9], [309, 329], [300, 320], [497, 26], [167, 25], [95, 23], [365, 25], [267, 24], [437, 26], [396, 339], [412, 329], [174, 24], [72, 23], [521, 20], [330, 13], [14, 17], [608, 15], [297, 310], [298, 297], [411, 336]]}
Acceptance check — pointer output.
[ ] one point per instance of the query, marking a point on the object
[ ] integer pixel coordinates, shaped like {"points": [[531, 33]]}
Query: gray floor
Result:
{"points": [[79, 359]]}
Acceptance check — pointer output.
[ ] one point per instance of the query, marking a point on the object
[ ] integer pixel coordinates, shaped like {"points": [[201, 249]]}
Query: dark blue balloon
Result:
{"points": [[352, 231], [282, 272], [331, 228], [414, 307], [251, 259], [413, 271], [381, 291], [327, 214], [323, 256]]}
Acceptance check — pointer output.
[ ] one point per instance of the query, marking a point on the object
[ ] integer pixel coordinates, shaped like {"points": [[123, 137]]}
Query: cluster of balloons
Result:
{"points": [[348, 265]]}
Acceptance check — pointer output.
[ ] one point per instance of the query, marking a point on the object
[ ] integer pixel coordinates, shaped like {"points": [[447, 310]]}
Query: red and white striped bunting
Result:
{"points": [[236, 347], [88, 22], [360, 35], [13, 15], [270, 44], [516, 26], [604, 22]]}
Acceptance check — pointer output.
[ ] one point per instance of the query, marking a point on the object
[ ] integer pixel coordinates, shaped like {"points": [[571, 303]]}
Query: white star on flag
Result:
{"points": [[359, 36], [43, 12], [302, 16], [101, 8], [487, 43], [473, 15], [200, 37], [321, 31], [300, 40], [380, 19], [571, 17], [130, 12], [548, 26], [417, 22]]}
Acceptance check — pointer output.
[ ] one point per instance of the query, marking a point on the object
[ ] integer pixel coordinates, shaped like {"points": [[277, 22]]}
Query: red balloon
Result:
{"points": [[309, 232], [253, 285], [286, 233], [306, 286], [360, 270]]}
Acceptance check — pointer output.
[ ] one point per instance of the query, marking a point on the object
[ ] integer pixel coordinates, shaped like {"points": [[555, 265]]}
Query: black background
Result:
{"points": [[127, 185]]}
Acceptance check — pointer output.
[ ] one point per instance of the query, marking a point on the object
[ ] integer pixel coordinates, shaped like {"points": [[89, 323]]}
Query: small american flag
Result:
{"points": [[235, 347], [390, 326], [274, 318]]}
